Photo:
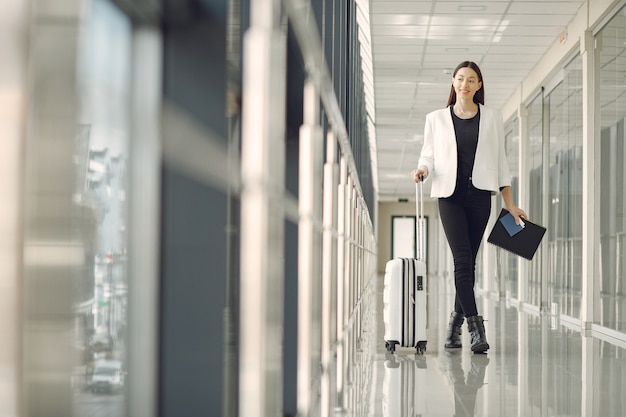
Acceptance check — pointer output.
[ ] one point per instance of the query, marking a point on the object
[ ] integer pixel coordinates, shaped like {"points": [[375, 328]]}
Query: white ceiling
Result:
{"points": [[416, 45]]}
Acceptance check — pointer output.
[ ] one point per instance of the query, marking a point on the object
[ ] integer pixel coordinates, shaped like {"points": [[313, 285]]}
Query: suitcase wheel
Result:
{"points": [[391, 346], [421, 347]]}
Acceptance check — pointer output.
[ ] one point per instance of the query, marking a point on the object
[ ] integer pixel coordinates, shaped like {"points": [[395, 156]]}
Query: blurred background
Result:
{"points": [[124, 195]]}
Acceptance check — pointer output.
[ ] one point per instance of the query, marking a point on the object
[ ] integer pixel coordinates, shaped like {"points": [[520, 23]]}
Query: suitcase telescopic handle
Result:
{"points": [[419, 224]]}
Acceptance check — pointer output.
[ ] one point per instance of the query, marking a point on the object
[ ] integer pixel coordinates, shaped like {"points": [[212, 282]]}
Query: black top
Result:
{"points": [[466, 141]]}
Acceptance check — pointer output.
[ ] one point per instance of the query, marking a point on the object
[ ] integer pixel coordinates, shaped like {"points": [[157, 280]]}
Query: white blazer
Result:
{"points": [[439, 153]]}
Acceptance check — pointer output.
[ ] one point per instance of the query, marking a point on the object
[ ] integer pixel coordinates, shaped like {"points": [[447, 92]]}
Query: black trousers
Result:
{"points": [[464, 217]]}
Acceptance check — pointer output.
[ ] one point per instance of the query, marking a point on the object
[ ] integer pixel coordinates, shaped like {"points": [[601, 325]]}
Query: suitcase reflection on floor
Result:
{"points": [[403, 385], [466, 386]]}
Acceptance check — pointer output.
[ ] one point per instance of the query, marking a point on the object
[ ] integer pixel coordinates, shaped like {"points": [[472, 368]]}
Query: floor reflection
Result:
{"points": [[404, 379], [538, 365], [466, 384]]}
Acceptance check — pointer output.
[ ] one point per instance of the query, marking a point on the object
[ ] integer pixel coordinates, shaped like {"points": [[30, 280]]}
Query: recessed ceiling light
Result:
{"points": [[395, 175], [468, 8]]}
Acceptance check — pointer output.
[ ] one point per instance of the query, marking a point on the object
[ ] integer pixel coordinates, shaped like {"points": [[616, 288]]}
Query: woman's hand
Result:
{"points": [[517, 213], [419, 174], [510, 205]]}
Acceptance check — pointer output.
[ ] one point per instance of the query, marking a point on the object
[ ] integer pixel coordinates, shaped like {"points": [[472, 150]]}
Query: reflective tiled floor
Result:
{"points": [[538, 365]]}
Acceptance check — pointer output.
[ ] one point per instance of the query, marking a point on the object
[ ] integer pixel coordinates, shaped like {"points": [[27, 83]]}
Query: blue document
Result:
{"points": [[508, 221]]}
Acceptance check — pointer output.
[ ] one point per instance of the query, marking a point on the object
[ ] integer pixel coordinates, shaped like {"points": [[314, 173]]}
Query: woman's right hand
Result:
{"points": [[419, 174]]}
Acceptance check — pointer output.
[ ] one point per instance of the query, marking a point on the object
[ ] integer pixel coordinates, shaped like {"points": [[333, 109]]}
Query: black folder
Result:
{"points": [[523, 243]]}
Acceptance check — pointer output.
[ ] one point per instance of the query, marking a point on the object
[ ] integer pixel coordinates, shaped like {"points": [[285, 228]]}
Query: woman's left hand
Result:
{"points": [[517, 213]]}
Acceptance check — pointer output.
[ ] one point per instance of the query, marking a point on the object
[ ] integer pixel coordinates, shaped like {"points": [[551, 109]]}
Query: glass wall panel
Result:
{"points": [[535, 201], [609, 366], [508, 263], [101, 154], [564, 223], [611, 52]]}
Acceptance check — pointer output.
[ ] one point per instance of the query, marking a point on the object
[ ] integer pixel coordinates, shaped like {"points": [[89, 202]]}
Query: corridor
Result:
{"points": [[200, 198]]}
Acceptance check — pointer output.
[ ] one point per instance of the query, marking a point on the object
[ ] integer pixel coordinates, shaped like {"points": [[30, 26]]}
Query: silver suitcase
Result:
{"points": [[404, 293]]}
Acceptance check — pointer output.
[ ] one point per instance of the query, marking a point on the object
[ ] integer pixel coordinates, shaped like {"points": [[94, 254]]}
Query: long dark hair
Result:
{"points": [[479, 97]]}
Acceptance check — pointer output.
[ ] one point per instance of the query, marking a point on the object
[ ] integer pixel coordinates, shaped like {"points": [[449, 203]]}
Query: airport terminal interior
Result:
{"points": [[201, 201]]}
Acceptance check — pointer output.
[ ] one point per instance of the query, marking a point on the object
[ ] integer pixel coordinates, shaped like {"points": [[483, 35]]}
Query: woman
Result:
{"points": [[464, 154]]}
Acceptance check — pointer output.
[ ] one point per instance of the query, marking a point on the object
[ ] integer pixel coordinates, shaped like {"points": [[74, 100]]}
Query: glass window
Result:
{"points": [[508, 263], [535, 190], [611, 53], [564, 222], [104, 71]]}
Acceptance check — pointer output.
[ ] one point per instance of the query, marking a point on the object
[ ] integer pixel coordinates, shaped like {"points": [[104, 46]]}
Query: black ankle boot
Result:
{"points": [[477, 332], [453, 338]]}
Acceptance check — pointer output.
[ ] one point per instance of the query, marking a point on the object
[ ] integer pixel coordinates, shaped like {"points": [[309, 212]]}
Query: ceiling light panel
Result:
{"points": [[400, 49], [398, 41], [537, 19], [568, 8], [470, 8], [401, 7], [469, 30], [400, 19], [465, 20], [406, 30], [397, 57]]}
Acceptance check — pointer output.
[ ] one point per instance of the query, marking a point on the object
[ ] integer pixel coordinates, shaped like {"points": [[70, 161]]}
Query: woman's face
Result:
{"points": [[466, 83]]}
